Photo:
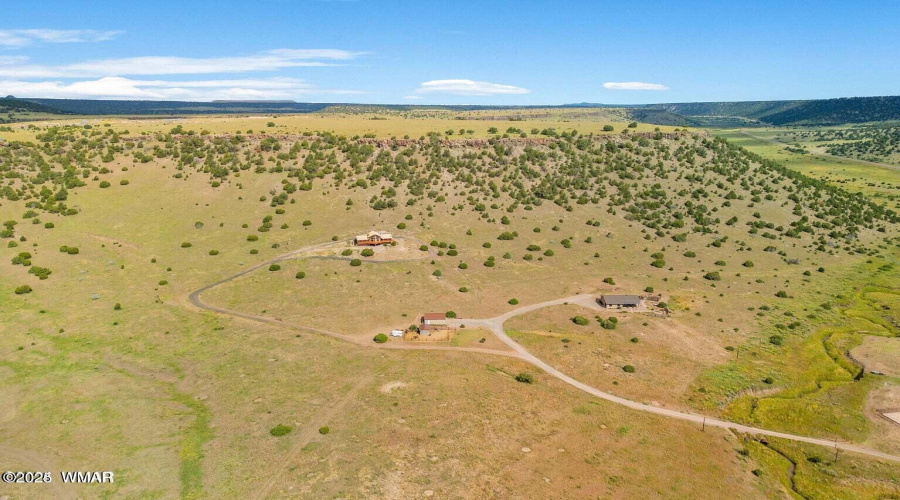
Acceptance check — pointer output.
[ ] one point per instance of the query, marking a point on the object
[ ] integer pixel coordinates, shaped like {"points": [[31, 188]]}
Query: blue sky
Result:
{"points": [[462, 52]]}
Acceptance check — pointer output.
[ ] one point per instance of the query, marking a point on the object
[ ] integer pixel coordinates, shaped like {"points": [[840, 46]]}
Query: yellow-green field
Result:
{"points": [[880, 183]]}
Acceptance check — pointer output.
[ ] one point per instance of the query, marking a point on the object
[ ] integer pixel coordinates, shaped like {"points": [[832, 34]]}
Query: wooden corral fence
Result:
{"points": [[436, 336]]}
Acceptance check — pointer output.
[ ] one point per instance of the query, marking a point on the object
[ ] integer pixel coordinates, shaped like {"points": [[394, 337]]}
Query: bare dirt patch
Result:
{"points": [[882, 404], [391, 386], [881, 354]]}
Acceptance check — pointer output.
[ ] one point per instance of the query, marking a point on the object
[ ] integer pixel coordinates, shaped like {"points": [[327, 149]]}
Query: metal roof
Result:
{"points": [[621, 300]]}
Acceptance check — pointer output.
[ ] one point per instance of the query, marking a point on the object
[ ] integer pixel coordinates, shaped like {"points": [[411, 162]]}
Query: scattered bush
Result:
{"points": [[324, 430], [367, 252], [214, 252], [525, 378], [274, 267], [355, 262], [41, 272], [300, 275], [450, 314], [513, 302], [628, 369], [380, 338], [608, 324], [713, 276], [186, 244], [280, 430], [580, 320], [22, 290]]}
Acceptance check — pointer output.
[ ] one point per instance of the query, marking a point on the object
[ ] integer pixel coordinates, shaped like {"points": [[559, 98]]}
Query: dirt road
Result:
{"points": [[496, 326], [518, 351]]}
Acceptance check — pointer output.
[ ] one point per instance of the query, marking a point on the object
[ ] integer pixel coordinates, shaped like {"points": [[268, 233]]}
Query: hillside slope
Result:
{"points": [[809, 112], [12, 109]]}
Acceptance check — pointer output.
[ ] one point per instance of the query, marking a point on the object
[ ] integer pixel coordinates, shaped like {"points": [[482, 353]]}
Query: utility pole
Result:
{"points": [[703, 428], [835, 450]]}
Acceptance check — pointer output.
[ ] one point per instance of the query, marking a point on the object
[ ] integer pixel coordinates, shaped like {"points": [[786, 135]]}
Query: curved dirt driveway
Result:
{"points": [[518, 351]]}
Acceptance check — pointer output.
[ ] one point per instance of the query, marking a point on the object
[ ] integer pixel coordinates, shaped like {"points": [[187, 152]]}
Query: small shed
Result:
{"points": [[618, 301], [434, 319]]}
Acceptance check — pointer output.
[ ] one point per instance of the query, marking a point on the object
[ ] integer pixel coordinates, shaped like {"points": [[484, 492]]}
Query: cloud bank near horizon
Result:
{"points": [[161, 90], [468, 88]]}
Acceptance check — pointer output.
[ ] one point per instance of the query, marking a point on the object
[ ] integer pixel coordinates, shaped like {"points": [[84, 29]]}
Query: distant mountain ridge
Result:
{"points": [[113, 107], [798, 112], [10, 104], [717, 114], [808, 112]]}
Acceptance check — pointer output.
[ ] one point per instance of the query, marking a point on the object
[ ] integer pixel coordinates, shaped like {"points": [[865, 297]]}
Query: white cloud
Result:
{"points": [[23, 37], [197, 90], [468, 87], [270, 60], [634, 86], [412, 97]]}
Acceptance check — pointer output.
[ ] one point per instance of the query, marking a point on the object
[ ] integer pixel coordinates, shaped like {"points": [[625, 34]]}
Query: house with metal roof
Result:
{"points": [[618, 301], [373, 238]]}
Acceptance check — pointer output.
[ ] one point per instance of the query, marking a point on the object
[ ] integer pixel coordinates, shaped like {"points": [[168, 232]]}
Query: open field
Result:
{"points": [[111, 331], [667, 355], [372, 122]]}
